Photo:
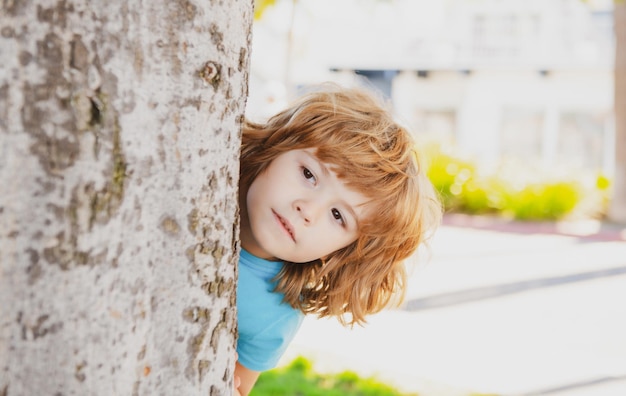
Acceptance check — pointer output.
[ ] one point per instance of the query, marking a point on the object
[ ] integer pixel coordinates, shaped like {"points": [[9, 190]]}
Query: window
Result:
{"points": [[521, 133], [581, 139], [496, 36]]}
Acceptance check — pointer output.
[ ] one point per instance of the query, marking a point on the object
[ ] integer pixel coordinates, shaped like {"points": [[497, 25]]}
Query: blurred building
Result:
{"points": [[524, 79]]}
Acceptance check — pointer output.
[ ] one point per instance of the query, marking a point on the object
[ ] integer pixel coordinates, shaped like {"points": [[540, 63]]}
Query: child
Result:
{"points": [[332, 201]]}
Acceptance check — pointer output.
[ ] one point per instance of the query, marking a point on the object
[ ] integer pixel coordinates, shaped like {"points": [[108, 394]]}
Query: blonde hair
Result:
{"points": [[372, 154]]}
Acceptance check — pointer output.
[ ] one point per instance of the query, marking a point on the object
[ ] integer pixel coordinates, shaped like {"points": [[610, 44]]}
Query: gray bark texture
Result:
{"points": [[119, 165], [617, 210]]}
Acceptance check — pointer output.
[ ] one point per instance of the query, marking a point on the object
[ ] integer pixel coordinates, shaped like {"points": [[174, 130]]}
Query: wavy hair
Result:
{"points": [[356, 133]]}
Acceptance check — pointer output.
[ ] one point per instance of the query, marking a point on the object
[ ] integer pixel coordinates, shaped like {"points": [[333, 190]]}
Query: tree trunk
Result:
{"points": [[119, 161], [617, 211]]}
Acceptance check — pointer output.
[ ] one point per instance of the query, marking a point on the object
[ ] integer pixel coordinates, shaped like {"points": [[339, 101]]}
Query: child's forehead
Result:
{"points": [[327, 163], [324, 158], [339, 172]]}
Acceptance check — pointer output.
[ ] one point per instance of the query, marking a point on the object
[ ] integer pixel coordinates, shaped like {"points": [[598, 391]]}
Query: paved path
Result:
{"points": [[504, 308]]}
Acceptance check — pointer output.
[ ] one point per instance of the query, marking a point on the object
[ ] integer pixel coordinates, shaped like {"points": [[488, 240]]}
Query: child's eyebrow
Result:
{"points": [[319, 163]]}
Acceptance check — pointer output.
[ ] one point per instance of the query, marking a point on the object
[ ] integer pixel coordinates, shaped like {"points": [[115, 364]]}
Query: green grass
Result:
{"points": [[299, 379]]}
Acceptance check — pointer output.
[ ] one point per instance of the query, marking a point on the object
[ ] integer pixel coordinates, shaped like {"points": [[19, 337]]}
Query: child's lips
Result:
{"points": [[286, 225]]}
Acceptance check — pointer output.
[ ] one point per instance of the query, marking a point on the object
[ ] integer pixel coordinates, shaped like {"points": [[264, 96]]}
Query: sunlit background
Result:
{"points": [[506, 85], [522, 78], [511, 101]]}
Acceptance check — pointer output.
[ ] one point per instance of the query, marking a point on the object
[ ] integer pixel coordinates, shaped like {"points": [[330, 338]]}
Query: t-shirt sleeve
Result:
{"points": [[263, 350]]}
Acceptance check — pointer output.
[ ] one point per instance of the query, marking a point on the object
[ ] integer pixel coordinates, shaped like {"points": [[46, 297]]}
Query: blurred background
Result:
{"points": [[513, 93], [512, 103]]}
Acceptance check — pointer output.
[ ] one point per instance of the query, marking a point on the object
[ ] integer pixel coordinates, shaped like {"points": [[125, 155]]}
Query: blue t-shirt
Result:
{"points": [[266, 323]]}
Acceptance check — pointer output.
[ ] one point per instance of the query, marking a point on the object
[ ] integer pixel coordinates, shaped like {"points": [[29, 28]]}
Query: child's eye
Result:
{"points": [[337, 215], [308, 174]]}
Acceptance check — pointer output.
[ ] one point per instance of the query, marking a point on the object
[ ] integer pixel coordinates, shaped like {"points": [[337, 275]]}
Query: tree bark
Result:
{"points": [[617, 210], [119, 161]]}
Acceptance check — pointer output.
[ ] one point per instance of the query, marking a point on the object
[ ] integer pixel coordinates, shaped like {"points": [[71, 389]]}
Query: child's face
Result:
{"points": [[299, 211]]}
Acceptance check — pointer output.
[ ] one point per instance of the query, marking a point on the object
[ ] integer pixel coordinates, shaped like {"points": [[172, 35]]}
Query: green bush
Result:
{"points": [[449, 174], [548, 201], [517, 192], [299, 379]]}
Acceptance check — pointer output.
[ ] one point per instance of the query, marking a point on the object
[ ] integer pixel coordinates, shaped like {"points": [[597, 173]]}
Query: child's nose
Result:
{"points": [[307, 211], [301, 210]]}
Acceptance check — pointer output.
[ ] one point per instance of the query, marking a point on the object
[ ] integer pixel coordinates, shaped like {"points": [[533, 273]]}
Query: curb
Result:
{"points": [[587, 230]]}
